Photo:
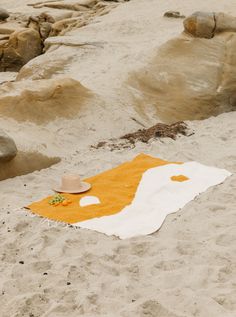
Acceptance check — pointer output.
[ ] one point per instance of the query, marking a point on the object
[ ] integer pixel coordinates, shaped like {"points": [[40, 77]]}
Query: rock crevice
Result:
{"points": [[23, 41]]}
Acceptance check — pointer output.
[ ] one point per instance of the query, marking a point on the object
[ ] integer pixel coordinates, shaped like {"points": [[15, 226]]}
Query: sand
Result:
{"points": [[187, 268]]}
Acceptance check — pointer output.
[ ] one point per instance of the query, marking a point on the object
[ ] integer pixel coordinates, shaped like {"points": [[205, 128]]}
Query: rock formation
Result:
{"points": [[22, 46], [42, 24], [21, 42], [191, 77], [8, 148], [207, 24], [3, 14], [24, 163], [75, 15], [41, 101]]}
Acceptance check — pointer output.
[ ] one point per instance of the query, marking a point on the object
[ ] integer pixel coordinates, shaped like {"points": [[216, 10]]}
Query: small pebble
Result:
{"points": [[21, 262], [174, 14]]}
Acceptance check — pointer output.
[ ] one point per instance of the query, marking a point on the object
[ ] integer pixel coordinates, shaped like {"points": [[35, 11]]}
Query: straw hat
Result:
{"points": [[72, 184]]}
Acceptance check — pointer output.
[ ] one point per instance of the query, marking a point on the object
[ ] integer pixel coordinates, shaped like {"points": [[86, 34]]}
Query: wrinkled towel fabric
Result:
{"points": [[158, 196], [134, 198], [114, 189]]}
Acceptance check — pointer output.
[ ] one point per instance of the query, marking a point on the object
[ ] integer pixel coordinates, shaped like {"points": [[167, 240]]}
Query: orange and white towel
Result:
{"points": [[134, 198]]}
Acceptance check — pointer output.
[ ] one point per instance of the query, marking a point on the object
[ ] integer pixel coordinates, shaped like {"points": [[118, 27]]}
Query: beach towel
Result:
{"points": [[134, 198]]}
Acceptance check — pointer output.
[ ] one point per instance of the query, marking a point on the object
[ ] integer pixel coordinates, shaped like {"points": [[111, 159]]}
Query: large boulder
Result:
{"points": [[188, 78], [8, 148], [3, 14], [22, 46], [207, 24]]}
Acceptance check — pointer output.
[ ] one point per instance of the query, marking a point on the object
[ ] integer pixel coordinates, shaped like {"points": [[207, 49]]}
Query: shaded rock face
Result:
{"points": [[207, 24], [200, 24], [42, 24], [76, 14], [189, 78], [20, 42], [8, 148], [22, 46], [41, 101], [3, 14], [25, 163]]}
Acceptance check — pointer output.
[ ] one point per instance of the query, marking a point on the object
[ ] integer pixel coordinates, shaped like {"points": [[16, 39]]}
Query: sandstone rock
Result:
{"points": [[8, 148], [42, 24], [7, 28], [63, 25], [44, 30], [207, 24], [190, 78], [8, 76], [71, 14], [24, 163], [23, 45], [3, 14], [225, 23], [200, 24], [45, 66], [41, 101], [4, 37]]}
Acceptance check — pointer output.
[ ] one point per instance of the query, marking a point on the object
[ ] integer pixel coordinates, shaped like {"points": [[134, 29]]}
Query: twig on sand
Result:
{"points": [[99, 44], [137, 121], [42, 2]]}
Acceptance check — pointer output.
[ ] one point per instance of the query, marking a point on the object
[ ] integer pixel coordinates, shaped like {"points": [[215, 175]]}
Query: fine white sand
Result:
{"points": [[187, 268]]}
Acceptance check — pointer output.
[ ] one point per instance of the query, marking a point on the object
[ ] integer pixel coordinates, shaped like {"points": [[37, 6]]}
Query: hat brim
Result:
{"points": [[83, 188]]}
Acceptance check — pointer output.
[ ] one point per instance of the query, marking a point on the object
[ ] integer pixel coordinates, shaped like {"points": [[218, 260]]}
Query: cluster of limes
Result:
{"points": [[59, 199]]}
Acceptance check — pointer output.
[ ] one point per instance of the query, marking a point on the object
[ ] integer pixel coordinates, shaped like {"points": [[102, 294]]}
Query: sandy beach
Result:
{"points": [[49, 269]]}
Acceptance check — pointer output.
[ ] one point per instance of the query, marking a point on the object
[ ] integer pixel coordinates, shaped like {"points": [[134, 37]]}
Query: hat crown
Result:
{"points": [[70, 182]]}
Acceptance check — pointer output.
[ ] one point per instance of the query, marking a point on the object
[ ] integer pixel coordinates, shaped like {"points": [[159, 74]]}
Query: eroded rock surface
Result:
{"points": [[190, 78], [22, 41], [207, 24], [41, 101], [22, 46], [4, 14], [8, 148], [25, 163], [75, 14]]}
